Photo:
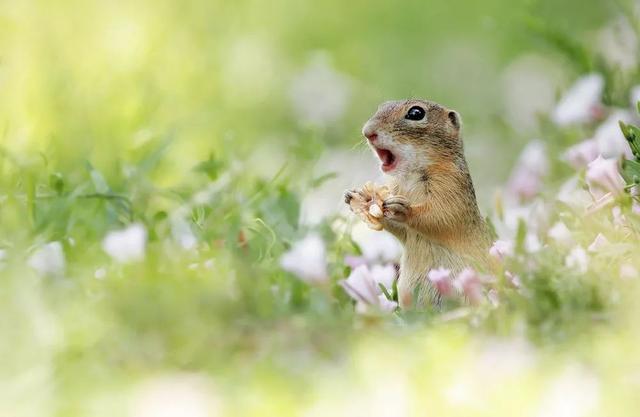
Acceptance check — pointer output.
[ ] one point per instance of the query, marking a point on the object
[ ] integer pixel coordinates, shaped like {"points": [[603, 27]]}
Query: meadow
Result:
{"points": [[173, 236]]}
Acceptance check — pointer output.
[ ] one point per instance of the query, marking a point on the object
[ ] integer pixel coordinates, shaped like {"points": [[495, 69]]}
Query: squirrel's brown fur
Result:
{"points": [[432, 209]]}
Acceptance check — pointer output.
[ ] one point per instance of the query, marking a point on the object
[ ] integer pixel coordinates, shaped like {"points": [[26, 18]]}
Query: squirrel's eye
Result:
{"points": [[415, 113]]}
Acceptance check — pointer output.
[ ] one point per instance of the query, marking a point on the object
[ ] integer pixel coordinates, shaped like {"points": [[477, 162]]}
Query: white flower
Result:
{"points": [[581, 103], [635, 207], [573, 195], [579, 155], [532, 165], [181, 231], [441, 280], [611, 142], [617, 43], [493, 297], [127, 245], [628, 271], [180, 395], [607, 141], [319, 95], [3, 257], [598, 243], [385, 305], [100, 273], [362, 287], [577, 259], [534, 158], [560, 233], [619, 219], [376, 246], [533, 215], [635, 96], [48, 259], [513, 279], [603, 176], [384, 274], [501, 249], [531, 243], [307, 259]]}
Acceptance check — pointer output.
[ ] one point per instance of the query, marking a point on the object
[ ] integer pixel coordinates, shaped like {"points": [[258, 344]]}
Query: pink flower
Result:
{"points": [[598, 243], [501, 249], [603, 176], [469, 283], [441, 279], [581, 103], [362, 287], [532, 165], [354, 261], [523, 185]]}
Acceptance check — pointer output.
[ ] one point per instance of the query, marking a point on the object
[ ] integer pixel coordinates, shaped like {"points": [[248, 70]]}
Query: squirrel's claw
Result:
{"points": [[348, 196], [396, 208]]}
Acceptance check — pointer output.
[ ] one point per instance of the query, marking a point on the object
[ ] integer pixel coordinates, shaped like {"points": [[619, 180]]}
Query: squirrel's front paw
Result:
{"points": [[349, 195], [396, 208]]}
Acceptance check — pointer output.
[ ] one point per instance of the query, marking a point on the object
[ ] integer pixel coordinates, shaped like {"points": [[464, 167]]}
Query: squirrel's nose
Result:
{"points": [[371, 136], [369, 132]]}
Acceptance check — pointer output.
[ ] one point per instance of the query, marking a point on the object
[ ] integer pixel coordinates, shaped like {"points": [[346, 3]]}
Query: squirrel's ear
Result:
{"points": [[454, 117]]}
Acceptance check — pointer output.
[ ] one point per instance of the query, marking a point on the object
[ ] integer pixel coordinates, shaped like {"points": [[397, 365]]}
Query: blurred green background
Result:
{"points": [[230, 114], [98, 80]]}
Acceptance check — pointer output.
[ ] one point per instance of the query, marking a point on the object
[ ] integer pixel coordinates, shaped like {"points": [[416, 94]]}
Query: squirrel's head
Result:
{"points": [[409, 135]]}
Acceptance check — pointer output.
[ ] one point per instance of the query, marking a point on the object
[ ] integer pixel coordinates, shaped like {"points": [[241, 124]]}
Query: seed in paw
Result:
{"points": [[375, 211]]}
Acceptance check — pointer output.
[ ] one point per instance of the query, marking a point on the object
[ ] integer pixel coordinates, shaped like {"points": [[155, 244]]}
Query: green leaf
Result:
{"points": [[385, 292], [211, 167], [521, 235], [97, 179], [317, 182], [624, 129], [56, 182], [634, 140], [631, 171], [632, 134]]}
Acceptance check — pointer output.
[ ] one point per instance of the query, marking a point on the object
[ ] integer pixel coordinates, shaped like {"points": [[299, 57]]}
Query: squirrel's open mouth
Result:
{"points": [[388, 159]]}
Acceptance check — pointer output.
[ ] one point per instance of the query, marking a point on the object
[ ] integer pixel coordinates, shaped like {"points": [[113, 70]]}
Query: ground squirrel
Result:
{"points": [[430, 203]]}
